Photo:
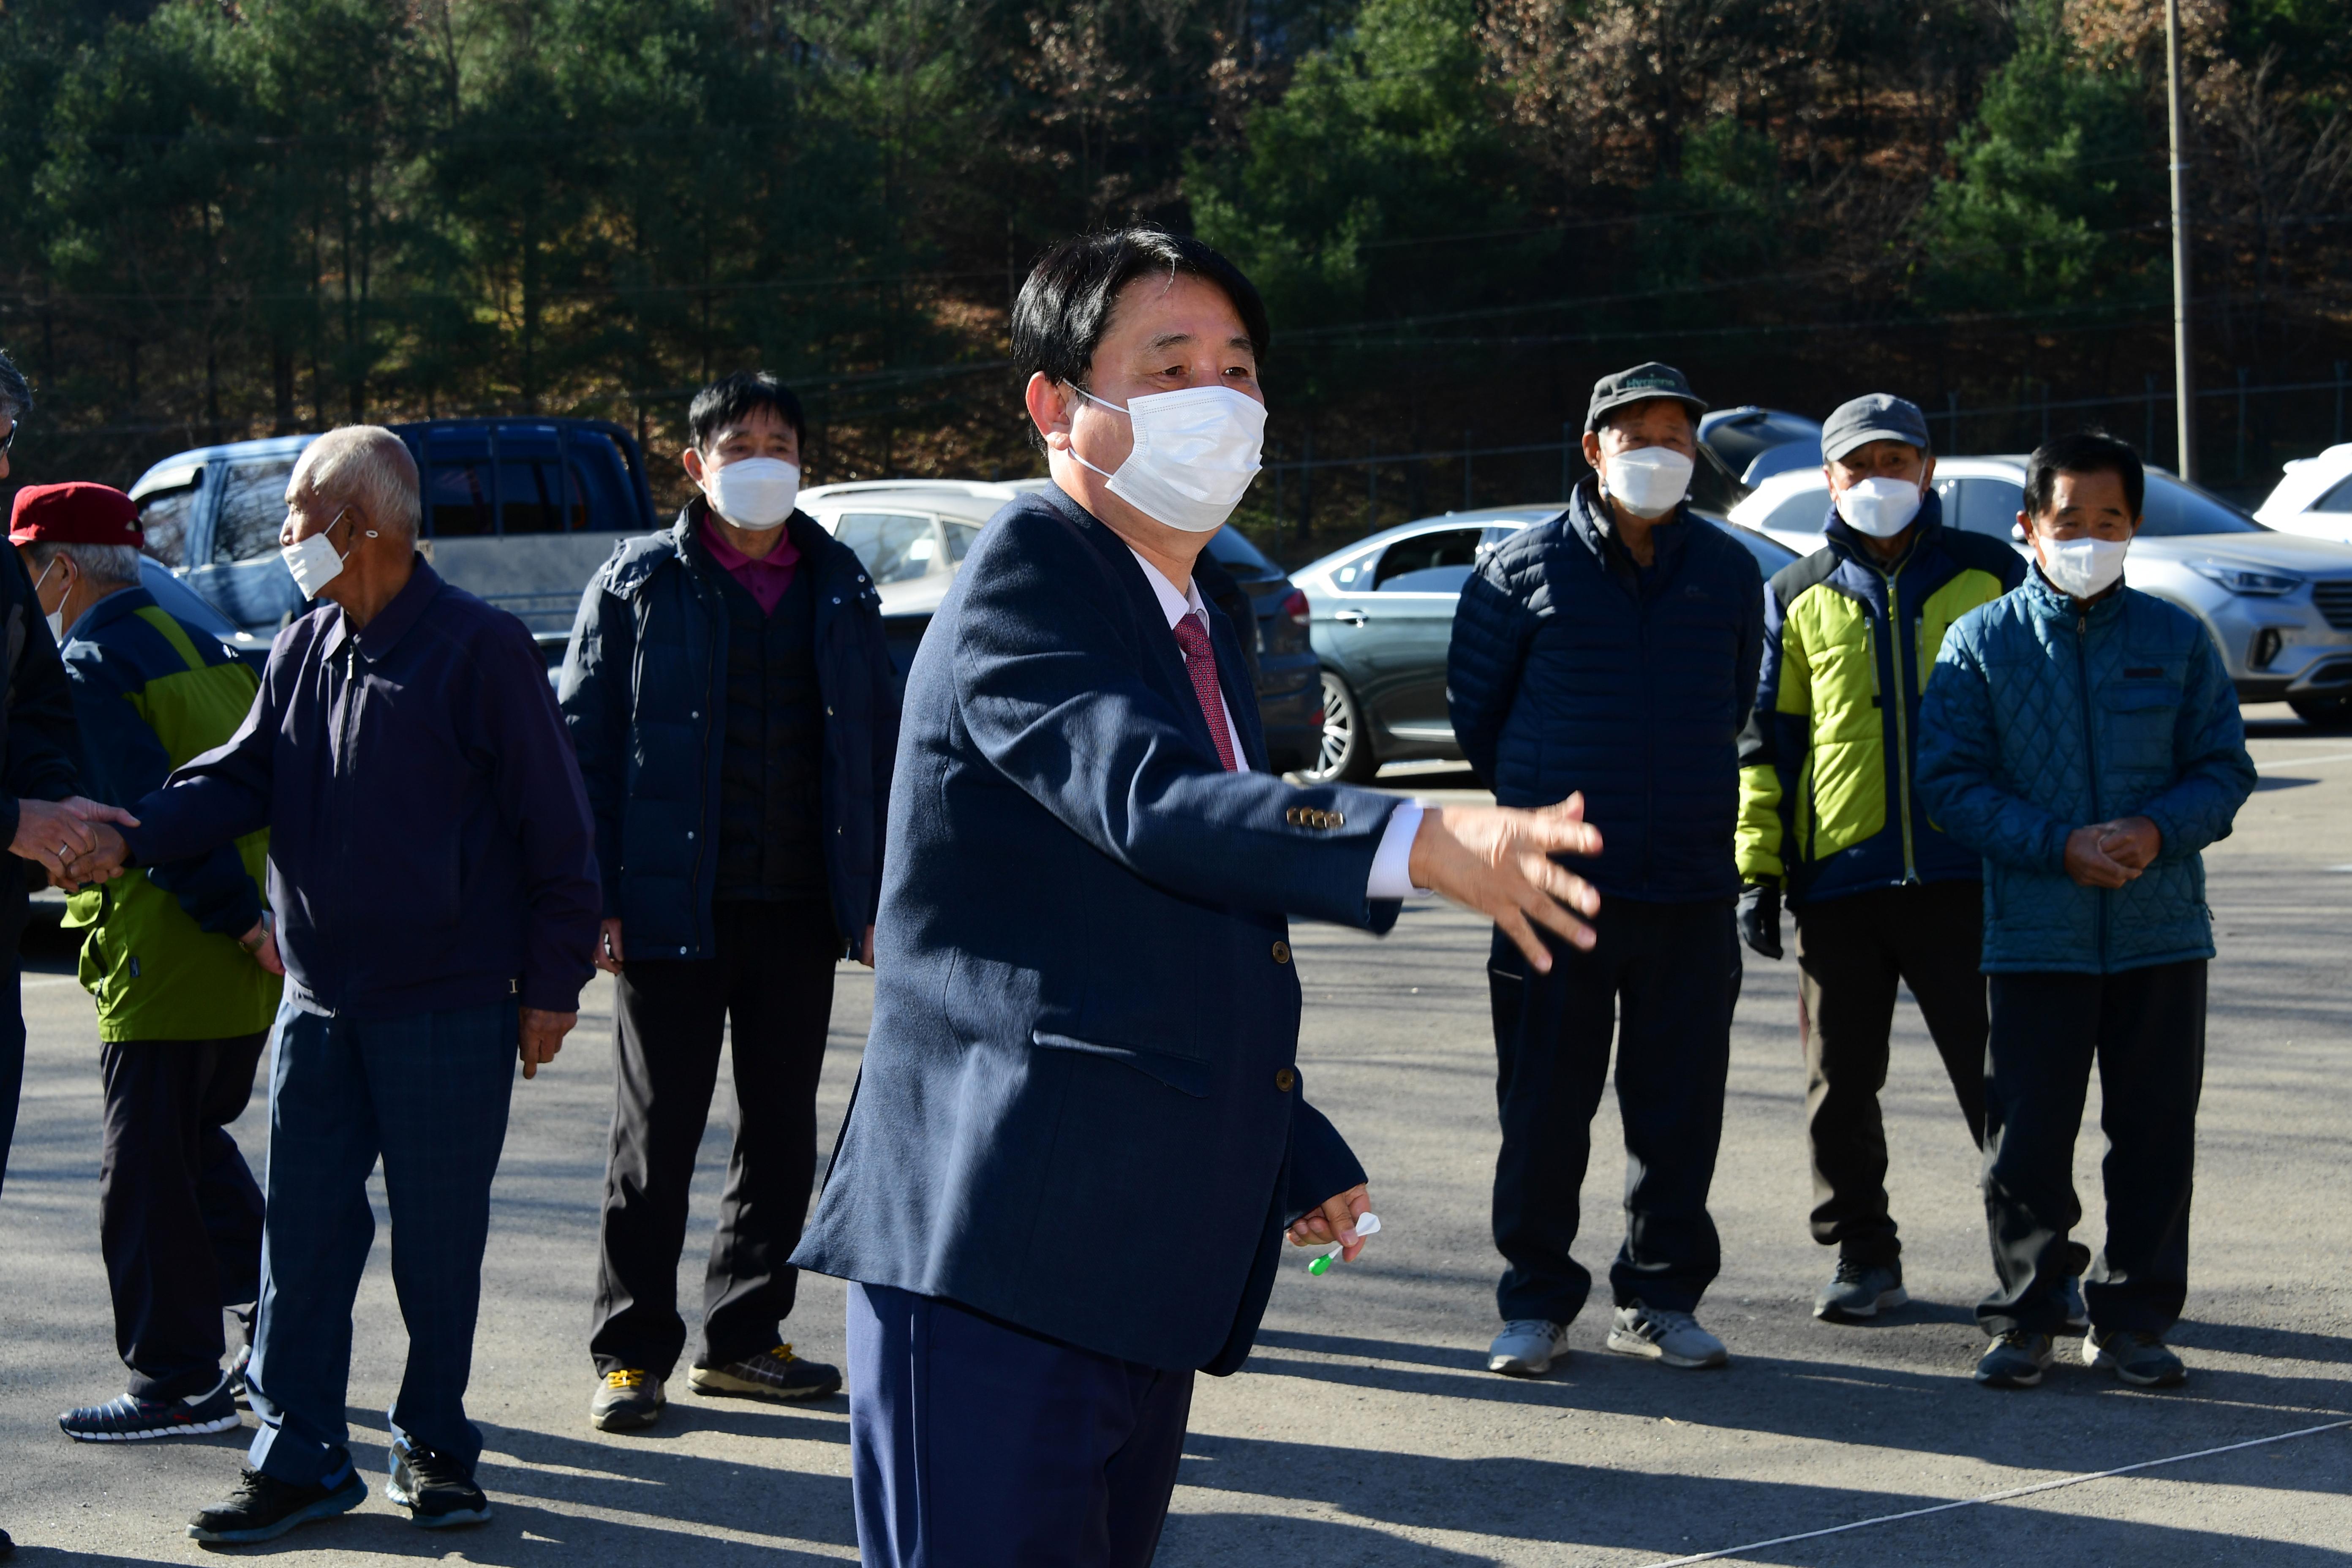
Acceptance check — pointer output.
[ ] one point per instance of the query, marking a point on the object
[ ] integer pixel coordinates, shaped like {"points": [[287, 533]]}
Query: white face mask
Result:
{"points": [[314, 560], [757, 493], [1648, 481], [1196, 450], [1881, 507], [56, 617], [2083, 567]]}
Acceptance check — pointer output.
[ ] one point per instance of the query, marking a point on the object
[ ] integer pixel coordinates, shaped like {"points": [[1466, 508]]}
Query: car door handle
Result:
{"points": [[1349, 617]]}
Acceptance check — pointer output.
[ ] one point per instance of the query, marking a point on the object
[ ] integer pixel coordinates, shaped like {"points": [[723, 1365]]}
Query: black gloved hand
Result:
{"points": [[1759, 918]]}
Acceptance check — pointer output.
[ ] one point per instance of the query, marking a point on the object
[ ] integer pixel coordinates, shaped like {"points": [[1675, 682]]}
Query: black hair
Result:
{"points": [[2090, 451], [1065, 307], [16, 395], [729, 400]]}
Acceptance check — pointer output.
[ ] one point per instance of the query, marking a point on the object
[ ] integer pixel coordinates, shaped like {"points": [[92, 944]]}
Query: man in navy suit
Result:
{"points": [[1079, 1135]]}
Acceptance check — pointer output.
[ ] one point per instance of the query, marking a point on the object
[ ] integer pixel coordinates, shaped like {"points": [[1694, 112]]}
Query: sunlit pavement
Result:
{"points": [[1364, 1430]]}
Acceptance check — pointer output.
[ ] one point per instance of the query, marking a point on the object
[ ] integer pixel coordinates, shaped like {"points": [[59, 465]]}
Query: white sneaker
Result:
{"points": [[1674, 1338], [1527, 1347]]}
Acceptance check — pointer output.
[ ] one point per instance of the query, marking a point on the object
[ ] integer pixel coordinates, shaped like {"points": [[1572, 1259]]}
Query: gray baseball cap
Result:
{"points": [[1881, 417], [1640, 385]]}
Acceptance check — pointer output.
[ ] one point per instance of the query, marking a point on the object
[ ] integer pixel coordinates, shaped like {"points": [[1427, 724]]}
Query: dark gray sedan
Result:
{"points": [[1381, 618]]}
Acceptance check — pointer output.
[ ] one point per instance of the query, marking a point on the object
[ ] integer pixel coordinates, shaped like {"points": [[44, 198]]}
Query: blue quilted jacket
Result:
{"points": [[2040, 718], [1573, 670]]}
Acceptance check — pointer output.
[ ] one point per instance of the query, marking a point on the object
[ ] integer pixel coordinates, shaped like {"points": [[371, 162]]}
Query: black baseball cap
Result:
{"points": [[1640, 385], [1880, 416]]}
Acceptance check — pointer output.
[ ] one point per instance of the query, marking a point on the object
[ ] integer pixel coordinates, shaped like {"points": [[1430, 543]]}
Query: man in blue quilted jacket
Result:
{"points": [[1614, 651], [2084, 738]]}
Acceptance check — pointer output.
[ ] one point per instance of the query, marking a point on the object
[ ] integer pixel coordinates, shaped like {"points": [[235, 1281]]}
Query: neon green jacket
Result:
{"points": [[1825, 754], [161, 955]]}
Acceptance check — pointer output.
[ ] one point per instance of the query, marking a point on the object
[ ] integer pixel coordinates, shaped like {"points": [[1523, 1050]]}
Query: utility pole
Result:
{"points": [[2184, 370]]}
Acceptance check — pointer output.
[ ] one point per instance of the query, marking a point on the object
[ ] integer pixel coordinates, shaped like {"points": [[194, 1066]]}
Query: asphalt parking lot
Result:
{"points": [[1364, 1430]]}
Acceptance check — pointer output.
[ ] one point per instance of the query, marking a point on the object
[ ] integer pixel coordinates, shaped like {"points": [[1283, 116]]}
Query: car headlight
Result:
{"points": [[2247, 579]]}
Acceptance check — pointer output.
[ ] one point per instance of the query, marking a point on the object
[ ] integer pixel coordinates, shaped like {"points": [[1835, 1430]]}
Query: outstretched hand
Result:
{"points": [[1498, 860]]}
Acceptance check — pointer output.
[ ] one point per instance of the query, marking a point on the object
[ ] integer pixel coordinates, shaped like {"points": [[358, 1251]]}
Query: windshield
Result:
{"points": [[2173, 509]]}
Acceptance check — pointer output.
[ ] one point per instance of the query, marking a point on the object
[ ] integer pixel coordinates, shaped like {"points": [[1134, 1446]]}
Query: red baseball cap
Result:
{"points": [[75, 514]]}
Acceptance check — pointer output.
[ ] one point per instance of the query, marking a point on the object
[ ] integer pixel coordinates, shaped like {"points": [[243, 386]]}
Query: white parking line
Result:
{"points": [[1995, 1497], [2272, 764]]}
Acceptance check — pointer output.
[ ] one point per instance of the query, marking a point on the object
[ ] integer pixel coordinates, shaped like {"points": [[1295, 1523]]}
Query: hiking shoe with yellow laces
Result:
{"points": [[772, 1374], [626, 1400]]}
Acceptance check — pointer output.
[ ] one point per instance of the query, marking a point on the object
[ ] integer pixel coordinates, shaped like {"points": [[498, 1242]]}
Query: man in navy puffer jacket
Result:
{"points": [[736, 715], [2084, 739], [1614, 652]]}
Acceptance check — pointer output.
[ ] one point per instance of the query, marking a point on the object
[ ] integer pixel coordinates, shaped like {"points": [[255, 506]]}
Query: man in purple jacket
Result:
{"points": [[432, 863]]}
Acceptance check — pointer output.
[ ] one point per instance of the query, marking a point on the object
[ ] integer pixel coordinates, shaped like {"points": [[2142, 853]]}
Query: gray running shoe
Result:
{"points": [[1527, 1347], [2016, 1360], [626, 1400], [1858, 1291], [2141, 1359], [1674, 1338]]}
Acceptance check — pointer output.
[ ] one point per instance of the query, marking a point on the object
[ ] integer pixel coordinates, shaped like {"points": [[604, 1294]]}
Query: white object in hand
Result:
{"points": [[1366, 1225]]}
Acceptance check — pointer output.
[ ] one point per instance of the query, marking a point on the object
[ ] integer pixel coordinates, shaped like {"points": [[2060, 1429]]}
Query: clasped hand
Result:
{"points": [[73, 839], [1335, 1221], [2110, 854]]}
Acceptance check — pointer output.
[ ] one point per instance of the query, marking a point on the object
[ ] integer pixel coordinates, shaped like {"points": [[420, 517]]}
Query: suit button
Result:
{"points": [[1285, 1079], [1282, 953]]}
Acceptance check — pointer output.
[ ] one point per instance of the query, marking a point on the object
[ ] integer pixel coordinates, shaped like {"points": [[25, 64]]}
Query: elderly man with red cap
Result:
{"points": [[182, 962]]}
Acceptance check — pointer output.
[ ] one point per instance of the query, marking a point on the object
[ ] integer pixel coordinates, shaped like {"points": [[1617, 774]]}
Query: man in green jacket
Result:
{"points": [[182, 962], [1828, 815]]}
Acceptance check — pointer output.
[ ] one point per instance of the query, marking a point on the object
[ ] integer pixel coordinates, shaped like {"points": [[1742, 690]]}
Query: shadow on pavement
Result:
{"points": [[2079, 1420], [1593, 1506]]}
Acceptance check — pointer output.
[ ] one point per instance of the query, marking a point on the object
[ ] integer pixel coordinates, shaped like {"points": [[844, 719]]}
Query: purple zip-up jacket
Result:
{"points": [[430, 845]]}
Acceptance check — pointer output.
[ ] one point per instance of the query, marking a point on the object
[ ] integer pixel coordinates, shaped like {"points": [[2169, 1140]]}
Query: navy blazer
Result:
{"points": [[1079, 1110]]}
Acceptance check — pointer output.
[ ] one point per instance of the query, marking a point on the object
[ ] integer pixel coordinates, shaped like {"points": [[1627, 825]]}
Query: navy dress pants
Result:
{"points": [[179, 1215], [977, 1445], [428, 1092], [2146, 1030], [1661, 980]]}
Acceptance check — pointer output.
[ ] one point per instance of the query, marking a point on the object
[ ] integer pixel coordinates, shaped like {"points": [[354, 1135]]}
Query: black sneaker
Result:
{"points": [[2017, 1359], [131, 1419], [772, 1374], [437, 1492], [263, 1508], [7, 1547], [1859, 1291], [2141, 1359]]}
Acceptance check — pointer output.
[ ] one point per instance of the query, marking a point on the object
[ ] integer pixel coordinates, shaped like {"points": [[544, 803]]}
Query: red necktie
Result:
{"points": [[1200, 664]]}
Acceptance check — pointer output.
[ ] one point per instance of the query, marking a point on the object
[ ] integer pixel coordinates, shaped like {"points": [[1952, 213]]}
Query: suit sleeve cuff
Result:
{"points": [[1391, 875]]}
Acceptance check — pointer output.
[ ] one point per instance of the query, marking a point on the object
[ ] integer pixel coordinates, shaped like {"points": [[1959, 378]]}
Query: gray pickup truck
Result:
{"points": [[521, 512]]}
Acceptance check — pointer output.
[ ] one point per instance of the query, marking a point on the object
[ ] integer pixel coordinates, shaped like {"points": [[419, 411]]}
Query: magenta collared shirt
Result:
{"points": [[765, 578]]}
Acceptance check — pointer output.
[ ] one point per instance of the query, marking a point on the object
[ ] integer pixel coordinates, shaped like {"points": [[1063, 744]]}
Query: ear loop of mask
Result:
{"points": [[1115, 408], [342, 555]]}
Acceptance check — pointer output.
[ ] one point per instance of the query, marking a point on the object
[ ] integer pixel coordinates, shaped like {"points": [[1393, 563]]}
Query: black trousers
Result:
{"points": [[1851, 954], [2145, 1028], [1662, 980], [773, 980], [179, 1213]]}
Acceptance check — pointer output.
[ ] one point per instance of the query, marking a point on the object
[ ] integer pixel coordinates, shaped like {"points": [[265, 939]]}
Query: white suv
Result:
{"points": [[2279, 605]]}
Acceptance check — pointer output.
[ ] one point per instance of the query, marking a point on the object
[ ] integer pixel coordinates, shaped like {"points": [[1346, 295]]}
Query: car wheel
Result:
{"points": [[2319, 712], [1345, 754]]}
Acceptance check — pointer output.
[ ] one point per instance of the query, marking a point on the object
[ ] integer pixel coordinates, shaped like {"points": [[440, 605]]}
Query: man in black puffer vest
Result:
{"points": [[1613, 652], [736, 715]]}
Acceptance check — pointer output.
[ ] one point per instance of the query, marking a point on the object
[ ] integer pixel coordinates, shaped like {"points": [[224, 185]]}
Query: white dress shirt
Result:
{"points": [[1391, 875]]}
